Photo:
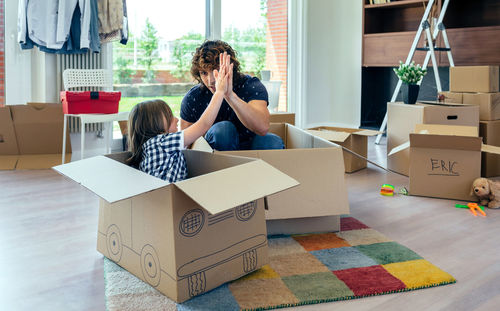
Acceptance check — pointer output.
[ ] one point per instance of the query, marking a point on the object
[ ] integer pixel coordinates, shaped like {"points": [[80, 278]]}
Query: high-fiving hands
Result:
{"points": [[224, 76]]}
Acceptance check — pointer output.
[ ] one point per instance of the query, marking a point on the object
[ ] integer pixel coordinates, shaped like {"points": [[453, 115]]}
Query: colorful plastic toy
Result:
{"points": [[473, 207], [387, 190]]}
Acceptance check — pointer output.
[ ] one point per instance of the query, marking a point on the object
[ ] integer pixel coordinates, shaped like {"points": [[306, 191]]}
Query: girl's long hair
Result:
{"points": [[146, 121]]}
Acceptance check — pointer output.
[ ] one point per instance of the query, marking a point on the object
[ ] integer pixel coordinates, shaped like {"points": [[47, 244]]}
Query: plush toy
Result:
{"points": [[487, 192]]}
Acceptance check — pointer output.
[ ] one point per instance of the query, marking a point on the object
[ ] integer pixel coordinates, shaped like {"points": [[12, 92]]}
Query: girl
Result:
{"points": [[155, 142]]}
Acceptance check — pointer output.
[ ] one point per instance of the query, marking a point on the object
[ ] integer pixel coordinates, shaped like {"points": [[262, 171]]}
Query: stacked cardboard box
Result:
{"points": [[31, 136], [479, 85]]}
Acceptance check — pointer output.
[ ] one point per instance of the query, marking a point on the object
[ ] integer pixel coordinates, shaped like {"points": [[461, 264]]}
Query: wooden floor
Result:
{"points": [[48, 229]]}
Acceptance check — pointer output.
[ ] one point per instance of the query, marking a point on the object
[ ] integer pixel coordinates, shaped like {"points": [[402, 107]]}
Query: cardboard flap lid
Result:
{"points": [[403, 146], [445, 142], [224, 189], [109, 179], [201, 145], [440, 129], [368, 133], [490, 149], [330, 135]]}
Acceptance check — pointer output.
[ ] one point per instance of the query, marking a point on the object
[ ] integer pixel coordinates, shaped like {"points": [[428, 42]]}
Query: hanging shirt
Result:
{"points": [[47, 22]]}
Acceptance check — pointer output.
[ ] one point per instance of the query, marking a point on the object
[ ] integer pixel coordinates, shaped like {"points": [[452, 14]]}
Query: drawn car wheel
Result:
{"points": [[250, 260], [196, 283], [150, 264], [114, 243]]}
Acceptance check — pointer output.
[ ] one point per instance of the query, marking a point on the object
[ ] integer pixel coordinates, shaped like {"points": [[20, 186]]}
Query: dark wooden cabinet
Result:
{"points": [[473, 28]]}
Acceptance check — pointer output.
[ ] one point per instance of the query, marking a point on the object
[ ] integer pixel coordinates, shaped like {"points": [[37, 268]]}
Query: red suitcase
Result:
{"points": [[90, 102]]}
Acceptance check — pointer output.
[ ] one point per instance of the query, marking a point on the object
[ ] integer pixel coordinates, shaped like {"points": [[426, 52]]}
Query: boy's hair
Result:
{"points": [[206, 58], [144, 122]]}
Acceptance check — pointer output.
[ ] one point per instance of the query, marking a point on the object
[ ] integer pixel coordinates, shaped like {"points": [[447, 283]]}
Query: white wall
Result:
{"points": [[331, 63], [17, 61]]}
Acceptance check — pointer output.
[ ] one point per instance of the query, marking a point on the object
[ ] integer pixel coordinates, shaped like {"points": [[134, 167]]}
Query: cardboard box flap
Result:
{"points": [[330, 135], [440, 129], [230, 187], [396, 149], [201, 145], [8, 141], [490, 149], [368, 133], [445, 142], [110, 179]]}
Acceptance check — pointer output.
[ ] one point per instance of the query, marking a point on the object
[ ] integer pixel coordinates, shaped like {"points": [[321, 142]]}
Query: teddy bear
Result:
{"points": [[487, 192]]}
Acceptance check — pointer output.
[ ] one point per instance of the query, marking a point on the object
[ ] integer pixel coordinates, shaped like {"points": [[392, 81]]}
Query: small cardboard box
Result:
{"points": [[490, 132], [31, 136], [355, 140], [402, 118], [315, 205], [445, 160], [282, 117], [188, 237], [489, 104], [452, 97], [481, 79]]}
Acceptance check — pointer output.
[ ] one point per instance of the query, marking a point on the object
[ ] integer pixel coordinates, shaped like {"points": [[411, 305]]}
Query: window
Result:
{"points": [[163, 34]]}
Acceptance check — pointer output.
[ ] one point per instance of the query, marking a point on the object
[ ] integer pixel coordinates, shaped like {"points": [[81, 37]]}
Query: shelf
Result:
{"points": [[402, 3], [470, 46]]}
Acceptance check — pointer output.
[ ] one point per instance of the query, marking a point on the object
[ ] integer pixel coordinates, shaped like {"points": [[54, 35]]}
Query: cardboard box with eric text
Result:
{"points": [[445, 160], [402, 118]]}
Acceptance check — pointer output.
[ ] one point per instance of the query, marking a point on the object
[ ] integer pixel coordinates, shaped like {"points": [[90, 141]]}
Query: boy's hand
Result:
{"points": [[221, 76]]}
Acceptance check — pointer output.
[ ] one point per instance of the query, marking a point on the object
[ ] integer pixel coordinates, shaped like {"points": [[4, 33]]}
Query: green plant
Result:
{"points": [[410, 74], [184, 48], [149, 43]]}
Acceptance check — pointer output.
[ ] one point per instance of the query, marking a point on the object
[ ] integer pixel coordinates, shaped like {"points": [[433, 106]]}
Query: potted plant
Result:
{"points": [[410, 75]]}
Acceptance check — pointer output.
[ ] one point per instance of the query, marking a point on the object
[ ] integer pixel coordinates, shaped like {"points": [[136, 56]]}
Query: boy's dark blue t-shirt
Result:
{"points": [[197, 99]]}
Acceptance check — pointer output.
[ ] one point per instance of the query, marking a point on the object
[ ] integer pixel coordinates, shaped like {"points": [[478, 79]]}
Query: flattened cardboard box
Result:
{"points": [[31, 136], [319, 167], [188, 237], [402, 118], [444, 165], [490, 163], [481, 79], [353, 139], [489, 104], [282, 117]]}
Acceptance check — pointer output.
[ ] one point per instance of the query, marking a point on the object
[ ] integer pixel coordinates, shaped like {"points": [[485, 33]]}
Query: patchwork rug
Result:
{"points": [[304, 269]]}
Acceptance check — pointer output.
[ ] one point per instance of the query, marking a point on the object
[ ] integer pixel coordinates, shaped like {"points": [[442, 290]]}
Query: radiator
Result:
{"points": [[89, 60]]}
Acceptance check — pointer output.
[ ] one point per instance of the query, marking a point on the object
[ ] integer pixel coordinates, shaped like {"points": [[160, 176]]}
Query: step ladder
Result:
{"points": [[431, 38]]}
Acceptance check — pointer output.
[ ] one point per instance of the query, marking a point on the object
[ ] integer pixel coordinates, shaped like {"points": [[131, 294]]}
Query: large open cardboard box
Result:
{"points": [[355, 140], [490, 163], [282, 117], [315, 205], [188, 237], [31, 136], [402, 118], [445, 160]]}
